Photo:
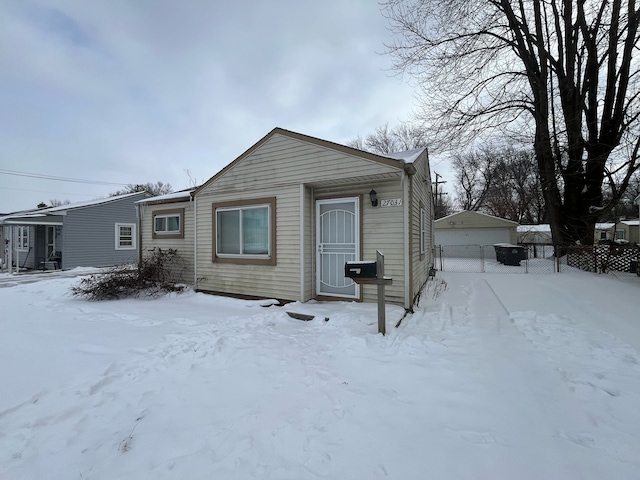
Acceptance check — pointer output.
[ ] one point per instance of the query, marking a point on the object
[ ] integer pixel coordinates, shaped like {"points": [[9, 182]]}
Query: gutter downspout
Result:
{"points": [[407, 264], [302, 240], [139, 219]]}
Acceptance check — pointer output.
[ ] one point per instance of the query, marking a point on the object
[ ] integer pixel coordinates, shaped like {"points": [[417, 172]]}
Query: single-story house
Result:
{"points": [[535, 234], [604, 231], [97, 233], [627, 231], [167, 222], [474, 228], [282, 219]]}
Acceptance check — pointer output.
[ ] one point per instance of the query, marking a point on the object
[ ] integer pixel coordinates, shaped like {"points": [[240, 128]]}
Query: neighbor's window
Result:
{"points": [[168, 223], [23, 238], [619, 234], [125, 236], [244, 232], [603, 235]]}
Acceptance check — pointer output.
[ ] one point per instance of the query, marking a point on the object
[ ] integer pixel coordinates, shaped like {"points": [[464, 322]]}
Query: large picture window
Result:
{"points": [[125, 236], [168, 223], [23, 238], [244, 232]]}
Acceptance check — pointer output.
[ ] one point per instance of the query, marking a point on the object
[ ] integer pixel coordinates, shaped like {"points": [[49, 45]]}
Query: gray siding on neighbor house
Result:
{"points": [[89, 234]]}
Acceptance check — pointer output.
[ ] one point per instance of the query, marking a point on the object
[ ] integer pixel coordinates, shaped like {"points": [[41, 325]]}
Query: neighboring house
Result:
{"points": [[474, 228], [627, 231], [281, 220], [605, 232], [97, 233], [166, 222], [535, 234]]}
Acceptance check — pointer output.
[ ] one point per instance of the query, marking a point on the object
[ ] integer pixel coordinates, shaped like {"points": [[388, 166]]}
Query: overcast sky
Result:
{"points": [[135, 91]]}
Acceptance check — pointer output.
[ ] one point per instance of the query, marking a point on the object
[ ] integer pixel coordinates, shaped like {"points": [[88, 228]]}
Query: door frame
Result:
{"points": [[357, 200]]}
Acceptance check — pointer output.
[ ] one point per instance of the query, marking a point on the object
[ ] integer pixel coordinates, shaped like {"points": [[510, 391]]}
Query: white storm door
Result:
{"points": [[337, 242]]}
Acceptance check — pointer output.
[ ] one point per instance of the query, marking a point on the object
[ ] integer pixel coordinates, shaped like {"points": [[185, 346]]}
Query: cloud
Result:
{"points": [[140, 91]]}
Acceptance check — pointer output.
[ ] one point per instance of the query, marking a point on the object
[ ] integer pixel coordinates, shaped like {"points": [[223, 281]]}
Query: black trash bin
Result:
{"points": [[501, 249], [513, 255], [633, 267]]}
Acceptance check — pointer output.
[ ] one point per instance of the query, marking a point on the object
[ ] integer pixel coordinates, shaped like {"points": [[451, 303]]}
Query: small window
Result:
{"points": [[23, 238], [603, 235], [125, 236], [168, 223], [244, 232], [620, 235]]}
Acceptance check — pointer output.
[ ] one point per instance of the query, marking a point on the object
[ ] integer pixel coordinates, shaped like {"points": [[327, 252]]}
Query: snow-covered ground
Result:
{"points": [[495, 376]]}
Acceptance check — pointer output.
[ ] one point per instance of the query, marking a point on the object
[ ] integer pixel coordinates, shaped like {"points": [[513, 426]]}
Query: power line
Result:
{"points": [[60, 179], [44, 191]]}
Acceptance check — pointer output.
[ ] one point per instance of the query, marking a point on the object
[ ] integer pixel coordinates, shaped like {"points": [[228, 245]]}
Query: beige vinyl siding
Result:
{"points": [[285, 161], [184, 246], [280, 281], [278, 168], [309, 247], [420, 193], [381, 229]]}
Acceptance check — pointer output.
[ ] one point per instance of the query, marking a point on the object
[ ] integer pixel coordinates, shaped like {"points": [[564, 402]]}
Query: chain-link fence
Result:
{"points": [[536, 258], [489, 259]]}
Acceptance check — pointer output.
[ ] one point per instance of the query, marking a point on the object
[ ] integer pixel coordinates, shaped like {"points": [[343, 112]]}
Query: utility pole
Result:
{"points": [[438, 197]]}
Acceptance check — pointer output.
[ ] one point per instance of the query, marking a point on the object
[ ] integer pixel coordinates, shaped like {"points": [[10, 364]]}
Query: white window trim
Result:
{"points": [[133, 236], [23, 238], [620, 234], [245, 255]]}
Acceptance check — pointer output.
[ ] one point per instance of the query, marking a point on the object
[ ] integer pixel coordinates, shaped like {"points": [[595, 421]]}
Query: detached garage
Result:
{"points": [[473, 228]]}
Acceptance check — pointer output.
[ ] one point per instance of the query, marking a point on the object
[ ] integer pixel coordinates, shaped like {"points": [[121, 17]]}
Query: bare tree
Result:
{"points": [[558, 72], [500, 181], [54, 202], [155, 189], [473, 173], [389, 140]]}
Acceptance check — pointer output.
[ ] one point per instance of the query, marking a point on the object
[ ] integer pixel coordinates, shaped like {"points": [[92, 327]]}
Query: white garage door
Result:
{"points": [[471, 236]]}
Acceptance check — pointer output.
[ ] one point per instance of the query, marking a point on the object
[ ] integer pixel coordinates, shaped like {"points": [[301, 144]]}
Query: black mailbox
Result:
{"points": [[361, 269]]}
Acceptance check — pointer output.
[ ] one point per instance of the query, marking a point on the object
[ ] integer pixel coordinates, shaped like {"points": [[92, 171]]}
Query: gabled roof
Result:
{"points": [[182, 195], [400, 160], [60, 210], [451, 217]]}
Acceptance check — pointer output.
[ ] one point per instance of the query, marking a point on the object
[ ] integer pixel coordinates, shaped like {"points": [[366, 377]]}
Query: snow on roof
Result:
{"points": [[35, 212], [169, 196], [408, 156], [605, 226], [631, 223]]}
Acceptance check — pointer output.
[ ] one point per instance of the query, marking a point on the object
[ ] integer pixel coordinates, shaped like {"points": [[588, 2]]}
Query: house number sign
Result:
{"points": [[392, 202]]}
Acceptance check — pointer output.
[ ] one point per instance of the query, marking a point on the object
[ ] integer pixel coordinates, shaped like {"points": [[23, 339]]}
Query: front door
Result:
{"points": [[50, 241], [337, 242]]}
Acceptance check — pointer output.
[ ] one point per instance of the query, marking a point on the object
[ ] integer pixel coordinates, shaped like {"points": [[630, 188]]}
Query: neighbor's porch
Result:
{"points": [[32, 243]]}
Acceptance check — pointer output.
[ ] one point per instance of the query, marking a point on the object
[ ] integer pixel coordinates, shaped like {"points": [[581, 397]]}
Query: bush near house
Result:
{"points": [[156, 274]]}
